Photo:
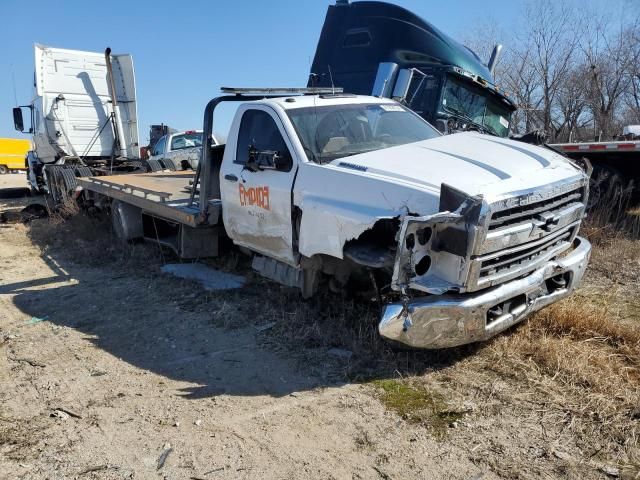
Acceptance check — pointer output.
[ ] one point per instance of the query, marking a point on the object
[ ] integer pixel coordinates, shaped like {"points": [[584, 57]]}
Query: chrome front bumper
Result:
{"points": [[440, 321]]}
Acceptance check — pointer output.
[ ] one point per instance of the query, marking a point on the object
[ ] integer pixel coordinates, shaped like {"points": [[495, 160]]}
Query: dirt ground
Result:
{"points": [[12, 181], [111, 370]]}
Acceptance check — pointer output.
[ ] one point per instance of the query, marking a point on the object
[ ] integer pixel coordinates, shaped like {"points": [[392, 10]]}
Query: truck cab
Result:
{"points": [[82, 119], [380, 49], [482, 230]]}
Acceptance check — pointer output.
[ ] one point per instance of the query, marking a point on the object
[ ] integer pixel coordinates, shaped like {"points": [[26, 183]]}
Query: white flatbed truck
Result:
{"points": [[461, 235]]}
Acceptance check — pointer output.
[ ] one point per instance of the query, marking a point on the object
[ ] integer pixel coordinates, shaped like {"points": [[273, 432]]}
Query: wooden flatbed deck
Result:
{"points": [[162, 194]]}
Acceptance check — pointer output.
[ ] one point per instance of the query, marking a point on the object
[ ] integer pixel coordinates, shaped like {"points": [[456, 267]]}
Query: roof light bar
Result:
{"points": [[280, 91]]}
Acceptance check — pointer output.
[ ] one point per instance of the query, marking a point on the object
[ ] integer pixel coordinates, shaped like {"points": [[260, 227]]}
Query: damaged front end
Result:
{"points": [[433, 251], [484, 265]]}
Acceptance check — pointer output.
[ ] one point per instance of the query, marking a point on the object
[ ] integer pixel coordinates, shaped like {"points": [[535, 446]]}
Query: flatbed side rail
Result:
{"points": [[615, 146], [128, 188], [149, 202]]}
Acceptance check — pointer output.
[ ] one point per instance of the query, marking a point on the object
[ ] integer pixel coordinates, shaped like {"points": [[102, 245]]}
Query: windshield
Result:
{"points": [[338, 131], [461, 99], [186, 140]]}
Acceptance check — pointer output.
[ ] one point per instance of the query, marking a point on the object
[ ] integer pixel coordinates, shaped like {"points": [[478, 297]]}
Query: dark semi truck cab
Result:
{"points": [[380, 49]]}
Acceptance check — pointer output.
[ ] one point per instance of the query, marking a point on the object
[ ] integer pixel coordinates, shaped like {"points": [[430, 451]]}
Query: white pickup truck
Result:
{"points": [[462, 235], [179, 150]]}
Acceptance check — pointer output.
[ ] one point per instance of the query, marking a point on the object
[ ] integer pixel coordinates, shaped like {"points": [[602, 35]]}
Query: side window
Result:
{"points": [[186, 140], [259, 131], [159, 147]]}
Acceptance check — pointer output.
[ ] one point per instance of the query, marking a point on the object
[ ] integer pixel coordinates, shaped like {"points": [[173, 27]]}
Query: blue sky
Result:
{"points": [[183, 52]]}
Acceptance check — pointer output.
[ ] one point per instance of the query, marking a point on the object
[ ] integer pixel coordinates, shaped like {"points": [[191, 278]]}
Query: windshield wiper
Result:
{"points": [[491, 130], [464, 116]]}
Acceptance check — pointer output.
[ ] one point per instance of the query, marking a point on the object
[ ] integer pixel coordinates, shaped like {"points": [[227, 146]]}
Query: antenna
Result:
{"points": [[331, 78]]}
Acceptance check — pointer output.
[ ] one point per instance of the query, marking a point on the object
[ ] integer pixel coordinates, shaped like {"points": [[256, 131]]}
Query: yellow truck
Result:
{"points": [[12, 154]]}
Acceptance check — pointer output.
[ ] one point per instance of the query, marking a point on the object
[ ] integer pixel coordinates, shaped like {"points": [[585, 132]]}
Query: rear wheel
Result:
{"points": [[117, 223], [126, 221], [61, 183], [3, 170]]}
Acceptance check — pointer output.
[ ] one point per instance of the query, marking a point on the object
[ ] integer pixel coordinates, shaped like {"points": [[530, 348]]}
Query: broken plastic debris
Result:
{"points": [[210, 278]]}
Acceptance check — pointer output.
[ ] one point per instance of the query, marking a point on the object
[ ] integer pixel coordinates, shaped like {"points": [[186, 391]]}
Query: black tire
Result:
{"points": [[3, 170], [116, 224], [153, 165]]}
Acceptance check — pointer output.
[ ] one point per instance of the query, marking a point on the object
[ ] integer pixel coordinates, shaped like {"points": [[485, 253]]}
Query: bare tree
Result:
{"points": [[513, 72], [570, 109], [573, 71], [611, 57], [552, 46], [521, 81], [632, 96], [483, 36]]}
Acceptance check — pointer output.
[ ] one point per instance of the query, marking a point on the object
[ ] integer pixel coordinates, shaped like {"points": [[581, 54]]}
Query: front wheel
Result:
{"points": [[3, 170]]}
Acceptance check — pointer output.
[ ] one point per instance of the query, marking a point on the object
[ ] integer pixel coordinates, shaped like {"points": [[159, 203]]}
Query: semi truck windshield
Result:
{"points": [[459, 98], [337, 131]]}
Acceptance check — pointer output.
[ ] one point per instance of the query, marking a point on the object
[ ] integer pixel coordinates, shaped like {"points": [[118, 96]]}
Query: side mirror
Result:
{"points": [[18, 121], [383, 85], [267, 160], [282, 162], [401, 88]]}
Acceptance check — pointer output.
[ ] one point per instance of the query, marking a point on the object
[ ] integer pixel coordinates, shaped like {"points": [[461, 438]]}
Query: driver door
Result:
{"points": [[257, 200]]}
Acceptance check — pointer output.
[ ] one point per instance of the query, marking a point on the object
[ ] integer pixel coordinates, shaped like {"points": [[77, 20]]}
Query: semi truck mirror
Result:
{"points": [[403, 82], [383, 85], [18, 121]]}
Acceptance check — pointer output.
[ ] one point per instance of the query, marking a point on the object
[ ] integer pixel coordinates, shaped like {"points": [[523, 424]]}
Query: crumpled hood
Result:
{"points": [[472, 162]]}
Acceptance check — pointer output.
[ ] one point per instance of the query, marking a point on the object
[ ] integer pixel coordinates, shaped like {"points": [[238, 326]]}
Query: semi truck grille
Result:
{"points": [[535, 212]]}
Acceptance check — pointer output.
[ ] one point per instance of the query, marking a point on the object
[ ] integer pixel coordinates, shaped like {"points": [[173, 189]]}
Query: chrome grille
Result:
{"points": [[537, 211], [524, 256], [523, 232]]}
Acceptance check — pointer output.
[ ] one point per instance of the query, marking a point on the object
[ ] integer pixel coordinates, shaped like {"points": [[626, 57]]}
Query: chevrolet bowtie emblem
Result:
{"points": [[546, 220]]}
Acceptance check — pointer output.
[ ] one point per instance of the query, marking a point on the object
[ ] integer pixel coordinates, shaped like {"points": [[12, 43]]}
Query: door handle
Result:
{"points": [[231, 178]]}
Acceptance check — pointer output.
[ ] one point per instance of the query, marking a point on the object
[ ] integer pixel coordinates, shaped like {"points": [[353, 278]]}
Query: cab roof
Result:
{"points": [[302, 101]]}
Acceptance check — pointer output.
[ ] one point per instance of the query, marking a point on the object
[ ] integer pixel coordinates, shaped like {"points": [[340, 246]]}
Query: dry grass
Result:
{"points": [[67, 210], [614, 216], [584, 359], [89, 240]]}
